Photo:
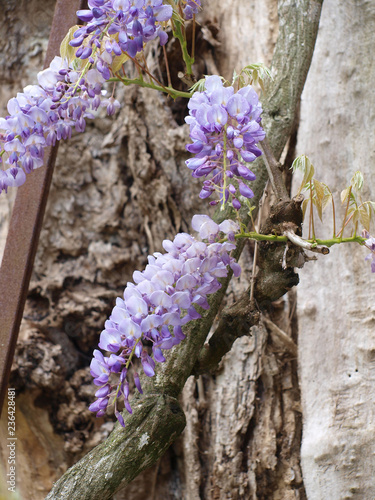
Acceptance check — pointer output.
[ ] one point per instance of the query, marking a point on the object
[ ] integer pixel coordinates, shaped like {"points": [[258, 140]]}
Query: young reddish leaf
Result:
{"points": [[319, 196], [357, 181], [118, 61], [304, 207], [365, 216], [327, 196]]}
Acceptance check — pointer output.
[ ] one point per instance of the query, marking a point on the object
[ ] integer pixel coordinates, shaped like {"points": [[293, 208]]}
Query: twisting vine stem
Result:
{"points": [[114, 463]]}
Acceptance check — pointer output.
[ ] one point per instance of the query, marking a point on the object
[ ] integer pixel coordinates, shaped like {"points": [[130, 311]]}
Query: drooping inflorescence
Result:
{"points": [[120, 26], [70, 91], [161, 300], [45, 113], [225, 128]]}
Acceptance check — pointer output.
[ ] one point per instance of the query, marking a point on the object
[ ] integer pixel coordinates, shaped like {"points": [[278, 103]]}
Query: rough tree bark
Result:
{"points": [[130, 191]]}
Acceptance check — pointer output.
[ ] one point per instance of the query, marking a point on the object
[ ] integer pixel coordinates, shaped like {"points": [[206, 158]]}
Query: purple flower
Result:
{"points": [[205, 226], [135, 22], [161, 300], [191, 7], [224, 128], [119, 418], [110, 340], [99, 368], [65, 98], [45, 113]]}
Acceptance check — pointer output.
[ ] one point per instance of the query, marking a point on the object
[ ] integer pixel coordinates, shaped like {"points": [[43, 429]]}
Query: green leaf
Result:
{"points": [[67, 51], [371, 204], [256, 73], [176, 16], [357, 181], [260, 68], [241, 82], [344, 194], [304, 208], [355, 215], [199, 86], [327, 198], [118, 61], [353, 201], [303, 164], [252, 208], [319, 189], [235, 77], [351, 210]]}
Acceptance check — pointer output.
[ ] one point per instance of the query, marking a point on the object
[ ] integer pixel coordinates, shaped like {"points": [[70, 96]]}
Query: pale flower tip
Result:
{"points": [[205, 226], [120, 418], [229, 226], [236, 268]]}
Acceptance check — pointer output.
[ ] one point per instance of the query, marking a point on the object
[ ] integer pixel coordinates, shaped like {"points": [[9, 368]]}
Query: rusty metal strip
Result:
{"points": [[26, 221]]}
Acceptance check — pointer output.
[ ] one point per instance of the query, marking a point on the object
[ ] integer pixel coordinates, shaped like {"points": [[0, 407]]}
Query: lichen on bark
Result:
{"points": [[126, 451]]}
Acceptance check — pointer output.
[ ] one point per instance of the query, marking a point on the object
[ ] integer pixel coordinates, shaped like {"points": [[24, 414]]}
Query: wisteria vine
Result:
{"points": [[226, 132]]}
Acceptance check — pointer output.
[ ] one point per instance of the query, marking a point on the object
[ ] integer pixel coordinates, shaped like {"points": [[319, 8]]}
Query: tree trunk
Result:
{"points": [[335, 297], [118, 191]]}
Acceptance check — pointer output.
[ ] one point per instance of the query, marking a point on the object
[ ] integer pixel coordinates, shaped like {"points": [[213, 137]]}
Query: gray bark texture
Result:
{"points": [[118, 191], [336, 295]]}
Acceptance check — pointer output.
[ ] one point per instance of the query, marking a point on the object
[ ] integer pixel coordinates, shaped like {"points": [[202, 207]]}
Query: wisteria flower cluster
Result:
{"points": [[154, 309], [45, 113], [225, 128], [119, 26], [68, 93], [191, 7]]}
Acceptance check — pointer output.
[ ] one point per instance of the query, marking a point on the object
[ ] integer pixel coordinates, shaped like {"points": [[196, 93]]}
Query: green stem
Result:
{"points": [[193, 40], [283, 239], [141, 83], [334, 216], [333, 241], [177, 32]]}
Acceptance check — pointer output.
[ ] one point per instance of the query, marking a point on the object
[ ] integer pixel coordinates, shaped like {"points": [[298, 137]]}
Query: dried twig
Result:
{"points": [[261, 204], [274, 172], [281, 337], [306, 245]]}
